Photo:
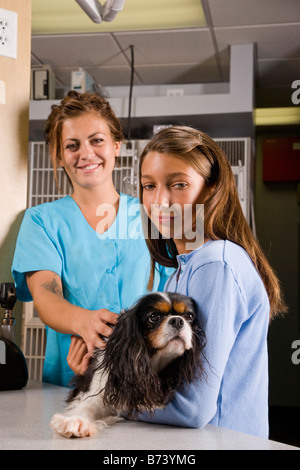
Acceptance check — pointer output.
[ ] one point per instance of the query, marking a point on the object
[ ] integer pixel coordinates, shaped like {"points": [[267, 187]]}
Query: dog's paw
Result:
{"points": [[72, 426]]}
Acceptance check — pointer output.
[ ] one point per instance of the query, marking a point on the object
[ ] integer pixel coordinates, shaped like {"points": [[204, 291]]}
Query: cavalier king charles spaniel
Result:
{"points": [[154, 351]]}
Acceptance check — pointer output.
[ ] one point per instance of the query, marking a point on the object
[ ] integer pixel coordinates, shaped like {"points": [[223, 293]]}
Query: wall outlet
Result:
{"points": [[8, 33]]}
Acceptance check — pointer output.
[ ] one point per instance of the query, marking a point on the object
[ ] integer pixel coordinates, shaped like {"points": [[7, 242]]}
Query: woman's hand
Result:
{"points": [[78, 357], [95, 327], [99, 322], [60, 315]]}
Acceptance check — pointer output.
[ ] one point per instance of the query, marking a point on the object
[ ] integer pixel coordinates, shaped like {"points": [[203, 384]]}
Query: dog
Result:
{"points": [[155, 350]]}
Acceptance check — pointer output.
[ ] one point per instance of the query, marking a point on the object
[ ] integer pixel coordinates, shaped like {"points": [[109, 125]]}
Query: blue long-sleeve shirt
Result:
{"points": [[234, 313]]}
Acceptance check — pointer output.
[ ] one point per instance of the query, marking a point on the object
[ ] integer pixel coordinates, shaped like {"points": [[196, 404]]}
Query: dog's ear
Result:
{"points": [[132, 385]]}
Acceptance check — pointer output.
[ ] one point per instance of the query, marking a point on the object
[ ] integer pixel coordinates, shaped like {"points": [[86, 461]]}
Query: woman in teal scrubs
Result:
{"points": [[82, 258]]}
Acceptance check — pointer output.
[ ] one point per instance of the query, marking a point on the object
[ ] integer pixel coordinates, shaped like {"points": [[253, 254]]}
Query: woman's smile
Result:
{"points": [[90, 167]]}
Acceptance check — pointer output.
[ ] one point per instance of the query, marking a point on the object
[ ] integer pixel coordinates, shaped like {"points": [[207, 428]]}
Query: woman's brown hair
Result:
{"points": [[73, 105], [223, 214]]}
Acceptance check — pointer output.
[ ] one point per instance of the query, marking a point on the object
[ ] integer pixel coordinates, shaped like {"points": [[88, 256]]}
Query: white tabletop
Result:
{"points": [[25, 416]]}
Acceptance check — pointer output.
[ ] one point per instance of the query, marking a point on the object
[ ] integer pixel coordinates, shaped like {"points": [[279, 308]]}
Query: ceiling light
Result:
{"points": [[277, 116]]}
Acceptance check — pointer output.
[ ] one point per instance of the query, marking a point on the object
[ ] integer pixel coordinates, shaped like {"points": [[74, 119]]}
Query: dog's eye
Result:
{"points": [[154, 317], [190, 317]]}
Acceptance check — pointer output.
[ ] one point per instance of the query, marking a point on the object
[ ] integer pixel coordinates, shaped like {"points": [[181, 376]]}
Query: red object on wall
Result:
{"points": [[281, 159]]}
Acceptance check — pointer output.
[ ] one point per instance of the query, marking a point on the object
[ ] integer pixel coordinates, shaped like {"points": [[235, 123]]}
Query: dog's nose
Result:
{"points": [[176, 322]]}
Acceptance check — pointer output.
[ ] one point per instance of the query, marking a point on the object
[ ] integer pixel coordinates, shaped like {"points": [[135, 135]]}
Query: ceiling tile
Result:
{"points": [[253, 12], [279, 41], [77, 50], [168, 47]]}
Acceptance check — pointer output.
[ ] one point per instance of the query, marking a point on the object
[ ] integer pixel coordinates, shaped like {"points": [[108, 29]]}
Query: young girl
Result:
{"points": [[75, 257], [236, 291]]}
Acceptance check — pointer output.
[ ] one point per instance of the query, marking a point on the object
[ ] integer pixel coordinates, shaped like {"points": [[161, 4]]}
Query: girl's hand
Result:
{"points": [[78, 357]]}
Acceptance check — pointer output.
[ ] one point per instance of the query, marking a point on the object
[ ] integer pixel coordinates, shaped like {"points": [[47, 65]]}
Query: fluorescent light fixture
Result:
{"points": [[67, 17], [99, 13], [277, 116]]}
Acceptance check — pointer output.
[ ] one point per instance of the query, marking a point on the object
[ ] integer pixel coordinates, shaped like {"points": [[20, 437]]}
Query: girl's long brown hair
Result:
{"points": [[223, 215]]}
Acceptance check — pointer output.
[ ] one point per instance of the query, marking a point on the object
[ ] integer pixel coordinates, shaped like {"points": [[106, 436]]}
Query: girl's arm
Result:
{"points": [[218, 297], [78, 357], [64, 317]]}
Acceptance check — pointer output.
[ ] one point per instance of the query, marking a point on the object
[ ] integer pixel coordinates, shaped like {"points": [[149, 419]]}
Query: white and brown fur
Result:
{"points": [[154, 350]]}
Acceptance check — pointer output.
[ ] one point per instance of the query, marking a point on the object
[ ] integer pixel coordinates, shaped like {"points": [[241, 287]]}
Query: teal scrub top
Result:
{"points": [[98, 271]]}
